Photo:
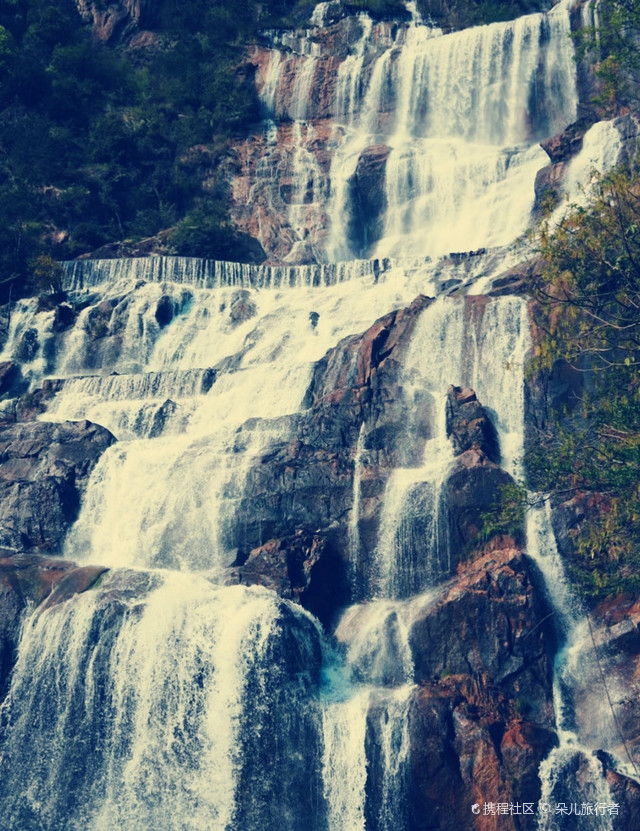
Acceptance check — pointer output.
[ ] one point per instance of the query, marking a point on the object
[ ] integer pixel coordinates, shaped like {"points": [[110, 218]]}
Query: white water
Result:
{"points": [[182, 677], [584, 721], [600, 151], [462, 115], [354, 520], [345, 761], [482, 346], [166, 502], [141, 702], [433, 362]]}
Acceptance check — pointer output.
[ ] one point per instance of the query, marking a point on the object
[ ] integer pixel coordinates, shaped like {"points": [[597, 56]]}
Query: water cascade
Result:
{"points": [[141, 691], [572, 773], [164, 697], [451, 121]]}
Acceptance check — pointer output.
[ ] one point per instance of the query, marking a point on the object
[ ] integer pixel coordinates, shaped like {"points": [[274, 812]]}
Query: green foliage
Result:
{"points": [[96, 141], [590, 283], [506, 517], [612, 49], [205, 232], [380, 8], [587, 315], [46, 275], [461, 13]]}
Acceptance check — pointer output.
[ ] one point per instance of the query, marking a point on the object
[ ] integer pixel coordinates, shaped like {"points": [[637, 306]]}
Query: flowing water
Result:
{"points": [[163, 699], [572, 774], [459, 115]]}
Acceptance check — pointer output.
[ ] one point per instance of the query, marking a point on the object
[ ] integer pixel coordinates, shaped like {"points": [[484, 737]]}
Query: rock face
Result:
{"points": [[469, 426], [357, 415], [302, 567], [482, 719], [112, 19], [490, 620], [305, 485], [565, 145], [29, 580], [44, 469], [473, 489], [368, 198]]}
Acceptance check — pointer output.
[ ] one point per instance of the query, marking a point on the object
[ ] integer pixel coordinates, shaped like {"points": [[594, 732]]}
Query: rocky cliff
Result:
{"points": [[263, 547], [112, 20], [482, 637]]}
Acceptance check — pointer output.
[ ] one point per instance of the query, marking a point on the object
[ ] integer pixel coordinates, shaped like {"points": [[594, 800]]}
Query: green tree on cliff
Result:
{"points": [[612, 47], [587, 315]]}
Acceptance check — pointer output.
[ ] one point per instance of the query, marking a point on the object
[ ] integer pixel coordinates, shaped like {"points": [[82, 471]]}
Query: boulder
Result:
{"points": [[469, 426], [11, 379], [368, 198], [164, 311], [161, 417], [242, 307], [27, 581], [565, 145], [27, 346], [493, 623], [468, 747], [482, 718], [625, 792], [472, 495], [548, 186], [302, 567], [44, 470]]}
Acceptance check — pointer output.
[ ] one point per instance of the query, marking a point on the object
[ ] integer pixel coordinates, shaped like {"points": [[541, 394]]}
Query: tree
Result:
{"points": [[612, 48], [587, 315]]}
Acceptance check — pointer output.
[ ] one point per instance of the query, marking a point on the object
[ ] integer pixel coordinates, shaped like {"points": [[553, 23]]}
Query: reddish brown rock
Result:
{"points": [[302, 567], [111, 19], [27, 581], [565, 145], [492, 622], [482, 720], [468, 747], [469, 426], [548, 186], [472, 495], [626, 793]]}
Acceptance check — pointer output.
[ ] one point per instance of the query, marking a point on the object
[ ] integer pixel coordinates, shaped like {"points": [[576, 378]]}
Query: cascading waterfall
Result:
{"points": [[459, 115], [571, 773], [366, 716], [161, 698], [146, 701], [412, 503], [465, 346]]}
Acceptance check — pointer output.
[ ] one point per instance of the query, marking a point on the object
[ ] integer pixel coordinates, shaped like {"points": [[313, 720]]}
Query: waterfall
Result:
{"points": [[572, 772], [459, 116], [145, 703], [459, 346], [162, 697], [412, 512]]}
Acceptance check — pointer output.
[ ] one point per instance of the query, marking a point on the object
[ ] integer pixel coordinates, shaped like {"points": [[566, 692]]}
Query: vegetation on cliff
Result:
{"points": [[112, 134], [101, 143], [587, 316]]}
